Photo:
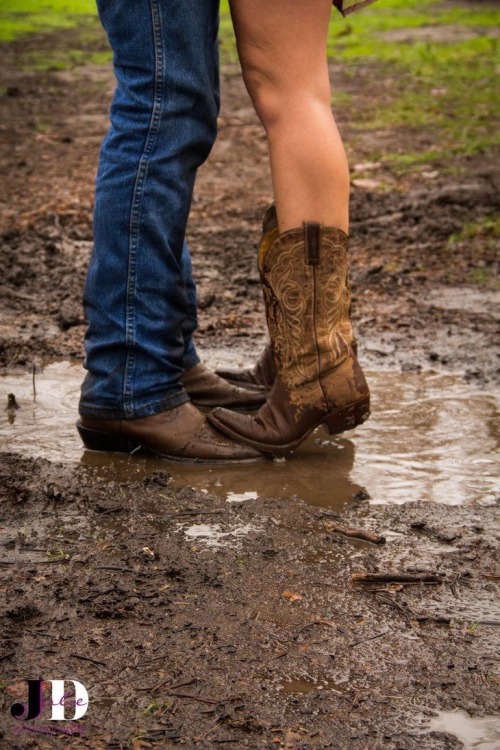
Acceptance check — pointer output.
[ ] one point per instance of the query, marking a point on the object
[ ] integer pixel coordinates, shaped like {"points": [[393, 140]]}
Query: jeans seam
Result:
{"points": [[130, 312]]}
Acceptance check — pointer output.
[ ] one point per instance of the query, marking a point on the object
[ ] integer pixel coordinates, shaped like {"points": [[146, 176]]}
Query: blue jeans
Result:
{"points": [[140, 297]]}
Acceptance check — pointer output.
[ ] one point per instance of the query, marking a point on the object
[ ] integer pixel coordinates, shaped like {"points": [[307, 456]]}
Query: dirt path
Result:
{"points": [[265, 641]]}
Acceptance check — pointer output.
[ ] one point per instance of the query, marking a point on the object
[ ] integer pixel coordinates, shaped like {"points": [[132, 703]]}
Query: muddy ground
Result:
{"points": [[265, 641]]}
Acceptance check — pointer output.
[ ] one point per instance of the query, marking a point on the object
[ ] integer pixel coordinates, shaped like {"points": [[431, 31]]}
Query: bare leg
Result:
{"points": [[281, 45]]}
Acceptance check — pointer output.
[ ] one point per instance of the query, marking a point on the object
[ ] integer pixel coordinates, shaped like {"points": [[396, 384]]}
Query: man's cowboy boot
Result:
{"points": [[206, 390], [319, 380], [180, 434]]}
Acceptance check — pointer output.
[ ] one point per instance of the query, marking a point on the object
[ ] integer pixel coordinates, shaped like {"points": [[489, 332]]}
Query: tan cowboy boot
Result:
{"points": [[261, 376], [263, 373], [319, 380], [206, 390]]}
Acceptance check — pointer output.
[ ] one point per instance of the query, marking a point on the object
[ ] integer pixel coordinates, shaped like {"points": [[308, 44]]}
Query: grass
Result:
{"points": [[445, 84], [20, 17]]}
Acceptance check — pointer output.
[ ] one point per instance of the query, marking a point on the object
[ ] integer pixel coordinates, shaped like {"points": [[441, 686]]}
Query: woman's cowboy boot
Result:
{"points": [[319, 380], [263, 373], [206, 390], [261, 376]]}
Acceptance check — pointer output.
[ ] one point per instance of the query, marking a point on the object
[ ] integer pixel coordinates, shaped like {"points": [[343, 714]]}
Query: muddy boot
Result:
{"points": [[180, 434], [206, 390], [319, 380], [262, 375]]}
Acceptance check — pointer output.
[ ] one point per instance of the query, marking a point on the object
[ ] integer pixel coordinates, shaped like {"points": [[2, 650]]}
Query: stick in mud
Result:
{"points": [[367, 536], [398, 577]]}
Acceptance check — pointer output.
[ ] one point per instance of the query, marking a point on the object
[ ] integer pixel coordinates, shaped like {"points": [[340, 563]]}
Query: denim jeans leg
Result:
{"points": [[139, 292], [190, 323]]}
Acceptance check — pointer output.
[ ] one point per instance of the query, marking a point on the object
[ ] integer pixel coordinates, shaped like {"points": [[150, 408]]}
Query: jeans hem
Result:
{"points": [[148, 410], [189, 362]]}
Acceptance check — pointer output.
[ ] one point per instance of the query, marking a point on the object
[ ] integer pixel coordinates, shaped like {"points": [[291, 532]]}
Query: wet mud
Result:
{"points": [[208, 608], [196, 620]]}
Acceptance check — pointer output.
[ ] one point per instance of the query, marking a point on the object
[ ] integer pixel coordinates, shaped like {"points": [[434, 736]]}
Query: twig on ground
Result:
{"points": [[398, 577], [366, 536], [371, 638], [88, 658], [195, 698]]}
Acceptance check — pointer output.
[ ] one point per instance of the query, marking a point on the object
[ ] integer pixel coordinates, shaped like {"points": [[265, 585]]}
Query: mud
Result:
{"points": [[196, 621], [210, 622]]}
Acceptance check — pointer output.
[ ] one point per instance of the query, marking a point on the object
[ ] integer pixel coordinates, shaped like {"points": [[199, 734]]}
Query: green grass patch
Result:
{"points": [[20, 17], [487, 227], [23, 18], [59, 60], [442, 79]]}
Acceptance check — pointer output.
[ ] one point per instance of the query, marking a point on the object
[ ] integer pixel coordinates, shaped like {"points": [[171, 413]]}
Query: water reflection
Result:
{"points": [[481, 733], [318, 473]]}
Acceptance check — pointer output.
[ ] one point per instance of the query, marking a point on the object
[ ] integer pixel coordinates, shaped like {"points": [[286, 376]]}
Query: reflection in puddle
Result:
{"points": [[241, 497], [481, 733], [430, 437], [434, 437]]}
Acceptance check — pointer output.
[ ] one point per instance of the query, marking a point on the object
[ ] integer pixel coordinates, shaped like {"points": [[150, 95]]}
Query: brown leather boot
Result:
{"points": [[180, 434], [319, 380], [261, 376], [206, 390], [263, 373]]}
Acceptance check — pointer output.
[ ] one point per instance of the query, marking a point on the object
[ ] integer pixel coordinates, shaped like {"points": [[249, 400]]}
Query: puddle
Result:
{"points": [[481, 733], [467, 299], [430, 437]]}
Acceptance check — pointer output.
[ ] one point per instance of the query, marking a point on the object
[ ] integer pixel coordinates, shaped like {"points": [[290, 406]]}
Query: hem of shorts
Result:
{"points": [[147, 410], [356, 7]]}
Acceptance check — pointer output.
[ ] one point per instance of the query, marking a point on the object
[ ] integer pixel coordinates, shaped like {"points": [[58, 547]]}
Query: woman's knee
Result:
{"points": [[277, 90], [278, 104]]}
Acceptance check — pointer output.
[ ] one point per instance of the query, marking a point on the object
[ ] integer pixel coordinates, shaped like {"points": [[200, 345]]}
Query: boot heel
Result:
{"points": [[348, 416], [95, 440]]}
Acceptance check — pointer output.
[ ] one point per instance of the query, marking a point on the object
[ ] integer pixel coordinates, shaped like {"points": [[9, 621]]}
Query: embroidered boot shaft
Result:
{"points": [[319, 380]]}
